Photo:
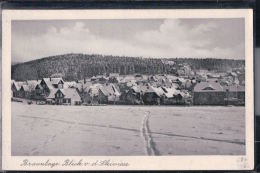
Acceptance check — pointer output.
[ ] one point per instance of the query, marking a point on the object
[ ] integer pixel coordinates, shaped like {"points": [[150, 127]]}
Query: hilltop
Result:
{"points": [[79, 66]]}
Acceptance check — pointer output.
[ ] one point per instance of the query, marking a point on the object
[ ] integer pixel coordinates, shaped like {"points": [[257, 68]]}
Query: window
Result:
{"points": [[208, 88]]}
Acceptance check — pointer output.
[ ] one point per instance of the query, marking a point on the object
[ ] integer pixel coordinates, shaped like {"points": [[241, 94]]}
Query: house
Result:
{"points": [[160, 80], [184, 83], [39, 93], [173, 96], [67, 96], [132, 96], [208, 93], [50, 99], [150, 95], [184, 97], [108, 93], [16, 86], [49, 84], [90, 94], [26, 91], [32, 87], [235, 94], [170, 96]]}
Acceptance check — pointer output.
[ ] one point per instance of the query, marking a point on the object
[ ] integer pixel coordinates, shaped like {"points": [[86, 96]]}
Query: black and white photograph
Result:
{"points": [[166, 86]]}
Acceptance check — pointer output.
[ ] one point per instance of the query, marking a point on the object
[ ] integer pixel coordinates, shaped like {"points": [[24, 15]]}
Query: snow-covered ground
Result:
{"points": [[126, 130]]}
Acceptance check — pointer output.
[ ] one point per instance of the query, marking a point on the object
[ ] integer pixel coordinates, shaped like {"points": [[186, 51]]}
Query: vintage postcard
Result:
{"points": [[128, 89]]}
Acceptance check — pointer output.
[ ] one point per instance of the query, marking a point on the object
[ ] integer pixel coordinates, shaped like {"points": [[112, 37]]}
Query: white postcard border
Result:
{"points": [[209, 162]]}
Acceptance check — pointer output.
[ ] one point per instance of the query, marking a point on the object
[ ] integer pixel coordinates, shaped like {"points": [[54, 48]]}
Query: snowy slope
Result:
{"points": [[126, 130]]}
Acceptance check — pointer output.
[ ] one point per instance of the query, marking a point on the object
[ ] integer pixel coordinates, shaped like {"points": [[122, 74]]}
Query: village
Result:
{"points": [[187, 87]]}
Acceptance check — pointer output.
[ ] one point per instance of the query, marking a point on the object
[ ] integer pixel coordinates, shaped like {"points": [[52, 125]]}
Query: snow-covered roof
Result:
{"points": [[148, 89], [25, 88], [52, 93], [32, 83], [93, 89], [50, 81], [159, 91], [114, 75], [18, 84], [71, 84], [38, 86], [208, 87], [170, 92], [109, 89], [56, 80], [70, 93]]}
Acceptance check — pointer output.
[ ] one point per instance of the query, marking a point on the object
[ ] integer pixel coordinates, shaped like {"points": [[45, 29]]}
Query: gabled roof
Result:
{"points": [[32, 83], [38, 86], [159, 91], [109, 89], [170, 92], [18, 84], [50, 81], [149, 89], [25, 88], [70, 93], [93, 89], [52, 93], [56, 80], [71, 84], [146, 88], [208, 87]]}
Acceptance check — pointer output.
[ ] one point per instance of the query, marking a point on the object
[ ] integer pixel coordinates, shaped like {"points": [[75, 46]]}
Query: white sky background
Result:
{"points": [[157, 38]]}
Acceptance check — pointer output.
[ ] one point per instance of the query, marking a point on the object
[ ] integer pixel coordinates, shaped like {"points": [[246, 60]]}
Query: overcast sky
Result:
{"points": [[158, 38]]}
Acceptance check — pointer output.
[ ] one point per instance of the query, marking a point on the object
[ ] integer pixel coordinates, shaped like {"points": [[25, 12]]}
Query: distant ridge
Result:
{"points": [[79, 66]]}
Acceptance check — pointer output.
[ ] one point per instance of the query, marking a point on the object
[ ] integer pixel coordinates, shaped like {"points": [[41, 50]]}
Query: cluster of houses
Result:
{"points": [[187, 88]]}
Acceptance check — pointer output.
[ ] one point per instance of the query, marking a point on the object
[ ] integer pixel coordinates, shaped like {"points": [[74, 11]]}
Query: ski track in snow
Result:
{"points": [[146, 134], [145, 131]]}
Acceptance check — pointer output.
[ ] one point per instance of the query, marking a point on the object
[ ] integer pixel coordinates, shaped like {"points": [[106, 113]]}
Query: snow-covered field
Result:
{"points": [[127, 130]]}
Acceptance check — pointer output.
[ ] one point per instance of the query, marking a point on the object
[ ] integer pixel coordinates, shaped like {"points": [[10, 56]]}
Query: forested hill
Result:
{"points": [[78, 66]]}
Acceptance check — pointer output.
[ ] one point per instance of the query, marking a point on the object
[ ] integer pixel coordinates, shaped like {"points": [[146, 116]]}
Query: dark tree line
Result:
{"points": [[79, 66]]}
